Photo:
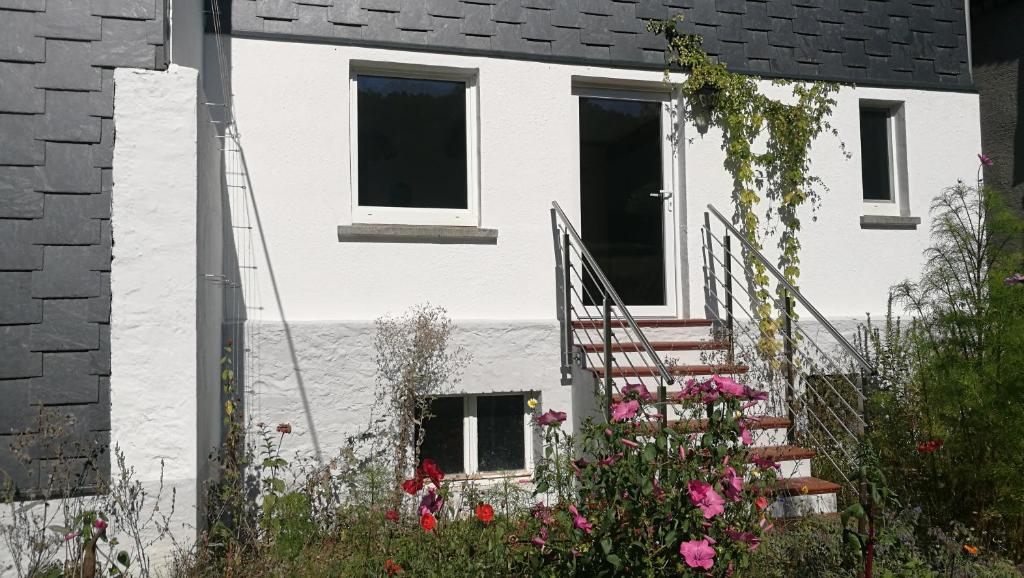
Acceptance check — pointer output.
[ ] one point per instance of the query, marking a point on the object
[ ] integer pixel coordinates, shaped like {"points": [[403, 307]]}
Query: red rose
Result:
{"points": [[431, 470], [391, 568], [284, 428], [485, 513], [427, 521], [413, 486], [392, 515]]}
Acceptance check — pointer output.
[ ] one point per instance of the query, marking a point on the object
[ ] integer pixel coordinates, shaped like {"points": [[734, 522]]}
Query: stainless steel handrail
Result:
{"points": [[610, 291], [863, 363]]}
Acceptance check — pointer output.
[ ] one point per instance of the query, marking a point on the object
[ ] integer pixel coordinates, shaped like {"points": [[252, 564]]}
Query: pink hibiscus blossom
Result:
{"points": [[431, 502], [765, 463], [638, 388], [706, 498], [728, 386], [579, 521], [698, 554], [983, 159], [625, 410], [732, 484], [747, 537], [629, 443], [610, 460], [551, 418]]}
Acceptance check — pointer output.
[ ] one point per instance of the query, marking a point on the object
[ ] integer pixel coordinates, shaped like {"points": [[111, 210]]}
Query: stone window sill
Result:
{"points": [[435, 234], [889, 222], [491, 476]]}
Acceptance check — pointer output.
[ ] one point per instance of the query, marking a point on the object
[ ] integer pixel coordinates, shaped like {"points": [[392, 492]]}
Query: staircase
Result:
{"points": [[812, 418]]}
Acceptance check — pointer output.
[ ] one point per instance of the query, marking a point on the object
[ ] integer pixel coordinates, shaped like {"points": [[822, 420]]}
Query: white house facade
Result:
{"points": [[321, 163]]}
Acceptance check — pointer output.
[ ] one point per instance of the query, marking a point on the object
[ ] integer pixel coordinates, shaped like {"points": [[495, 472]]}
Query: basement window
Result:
{"points": [[413, 145], [883, 154], [479, 434]]}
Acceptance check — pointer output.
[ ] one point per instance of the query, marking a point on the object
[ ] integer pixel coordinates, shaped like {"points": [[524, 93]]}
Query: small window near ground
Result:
{"points": [[876, 154], [479, 434], [414, 148]]}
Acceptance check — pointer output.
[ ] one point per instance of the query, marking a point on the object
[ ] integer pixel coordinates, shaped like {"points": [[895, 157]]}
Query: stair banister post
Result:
{"points": [[787, 347], [607, 357], [567, 299], [727, 244]]}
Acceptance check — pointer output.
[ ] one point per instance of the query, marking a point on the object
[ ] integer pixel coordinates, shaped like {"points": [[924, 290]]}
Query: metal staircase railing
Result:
{"points": [[591, 310], [820, 387]]}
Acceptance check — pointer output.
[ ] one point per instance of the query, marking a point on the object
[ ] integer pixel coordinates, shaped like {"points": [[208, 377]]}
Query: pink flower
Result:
{"points": [[704, 497], [70, 536], [1014, 279], [625, 410], [983, 158], [99, 524], [638, 388], [754, 394], [765, 463], [698, 554], [732, 484], [728, 386], [551, 418], [579, 521], [629, 443], [541, 538], [745, 436], [748, 537], [692, 390], [431, 502], [610, 460]]}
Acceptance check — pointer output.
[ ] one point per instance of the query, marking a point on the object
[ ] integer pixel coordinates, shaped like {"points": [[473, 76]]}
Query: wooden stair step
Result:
{"points": [[783, 453], [630, 347], [677, 370], [643, 323], [761, 422], [806, 486]]}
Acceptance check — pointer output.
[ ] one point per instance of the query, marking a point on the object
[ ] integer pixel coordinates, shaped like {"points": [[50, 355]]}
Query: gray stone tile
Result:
{"points": [[18, 197], [67, 118], [99, 307], [68, 273], [103, 153], [347, 13], [276, 9], [137, 9], [16, 303], [17, 89], [66, 379], [17, 38], [17, 415], [16, 250], [101, 357], [65, 221], [69, 169], [17, 140], [68, 20], [68, 67], [26, 5], [124, 44], [65, 327], [17, 360]]}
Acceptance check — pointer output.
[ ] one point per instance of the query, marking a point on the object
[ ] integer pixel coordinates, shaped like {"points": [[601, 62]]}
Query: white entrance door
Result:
{"points": [[627, 197]]}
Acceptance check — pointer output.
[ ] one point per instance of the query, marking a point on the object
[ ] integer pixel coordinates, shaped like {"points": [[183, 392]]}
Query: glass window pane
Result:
{"points": [[500, 432], [442, 441], [874, 151], [412, 142]]}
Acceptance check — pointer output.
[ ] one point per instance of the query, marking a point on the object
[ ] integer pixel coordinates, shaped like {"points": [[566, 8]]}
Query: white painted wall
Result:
{"points": [[291, 102], [154, 330]]}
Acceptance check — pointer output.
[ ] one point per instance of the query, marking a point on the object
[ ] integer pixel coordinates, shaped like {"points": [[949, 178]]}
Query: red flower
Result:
{"points": [[392, 515], [427, 521], [485, 513], [391, 568], [929, 446], [284, 428], [761, 502], [413, 486], [433, 471]]}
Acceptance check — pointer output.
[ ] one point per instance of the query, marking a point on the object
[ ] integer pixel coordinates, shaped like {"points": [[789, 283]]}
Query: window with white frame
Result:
{"points": [[883, 157], [474, 434], [414, 145]]}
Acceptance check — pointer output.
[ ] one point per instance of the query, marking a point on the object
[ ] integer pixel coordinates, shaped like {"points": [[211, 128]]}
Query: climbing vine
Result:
{"points": [[767, 148]]}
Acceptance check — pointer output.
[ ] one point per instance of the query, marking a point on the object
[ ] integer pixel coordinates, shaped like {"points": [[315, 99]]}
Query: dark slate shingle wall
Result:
{"points": [[898, 42], [57, 60]]}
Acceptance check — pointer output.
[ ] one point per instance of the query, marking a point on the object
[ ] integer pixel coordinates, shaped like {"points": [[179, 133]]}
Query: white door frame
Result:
{"points": [[670, 183]]}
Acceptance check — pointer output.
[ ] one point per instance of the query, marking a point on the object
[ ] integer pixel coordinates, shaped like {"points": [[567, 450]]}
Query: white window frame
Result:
{"points": [[470, 216], [471, 441], [896, 140]]}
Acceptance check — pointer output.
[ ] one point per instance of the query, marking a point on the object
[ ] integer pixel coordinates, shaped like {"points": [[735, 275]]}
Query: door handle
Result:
{"points": [[663, 194]]}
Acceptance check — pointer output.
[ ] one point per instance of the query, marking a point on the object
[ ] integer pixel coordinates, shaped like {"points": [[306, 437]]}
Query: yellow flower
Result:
{"points": [[532, 402], [804, 489], [972, 550]]}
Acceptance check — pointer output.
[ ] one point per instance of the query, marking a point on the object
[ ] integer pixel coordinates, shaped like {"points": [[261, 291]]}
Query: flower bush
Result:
{"points": [[648, 500]]}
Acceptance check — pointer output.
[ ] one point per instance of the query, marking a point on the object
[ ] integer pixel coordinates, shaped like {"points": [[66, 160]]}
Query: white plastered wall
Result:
{"points": [[291, 101]]}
